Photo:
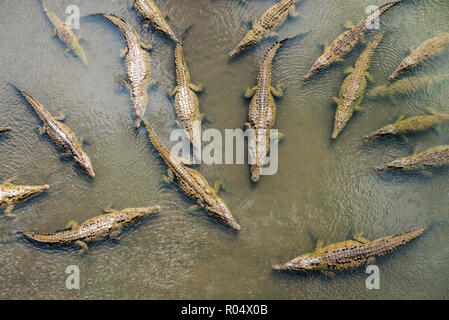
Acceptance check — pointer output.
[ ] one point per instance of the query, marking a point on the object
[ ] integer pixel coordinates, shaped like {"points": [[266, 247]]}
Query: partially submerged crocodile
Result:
{"points": [[149, 11], [137, 61], [410, 125], [346, 41], [4, 129], [10, 194], [270, 20], [108, 225], [193, 184], [353, 88], [427, 50], [347, 254], [60, 134], [436, 157], [65, 34]]}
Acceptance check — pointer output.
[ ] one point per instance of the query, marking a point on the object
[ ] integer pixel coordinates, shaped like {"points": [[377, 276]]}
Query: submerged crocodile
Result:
{"points": [[65, 34], [406, 86], [353, 88], [108, 225], [427, 50], [436, 157], [347, 254], [410, 125], [186, 101], [10, 194], [60, 134], [4, 129], [262, 112], [137, 61], [346, 42], [149, 11], [193, 184], [270, 20]]}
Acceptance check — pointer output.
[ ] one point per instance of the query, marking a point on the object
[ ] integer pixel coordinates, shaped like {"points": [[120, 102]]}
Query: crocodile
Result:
{"points": [[60, 134], [137, 61], [109, 225], [346, 255], [10, 194], [436, 157], [270, 20], [149, 11], [354, 87], [63, 32], [406, 86], [427, 50], [346, 42], [410, 125], [193, 184], [4, 129], [262, 112]]}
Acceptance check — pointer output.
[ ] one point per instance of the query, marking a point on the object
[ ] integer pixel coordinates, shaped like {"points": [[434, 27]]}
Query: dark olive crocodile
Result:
{"points": [[108, 225], [348, 254], [10, 194], [192, 183], [346, 42], [60, 134]]}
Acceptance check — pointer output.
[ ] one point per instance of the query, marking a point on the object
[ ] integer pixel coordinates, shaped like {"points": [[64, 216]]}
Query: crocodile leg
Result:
{"points": [[115, 232], [8, 211], [279, 136], [369, 77], [249, 92], [8, 182], [319, 245], [278, 92], [193, 209], [123, 52], [169, 177], [72, 224], [271, 34], [61, 117], [146, 45], [67, 154], [42, 130], [219, 185], [83, 246], [292, 12], [196, 87], [173, 91], [109, 210], [360, 238], [336, 100]]}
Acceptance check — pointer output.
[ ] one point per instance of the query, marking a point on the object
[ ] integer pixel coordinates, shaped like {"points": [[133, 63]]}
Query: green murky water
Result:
{"points": [[323, 189]]}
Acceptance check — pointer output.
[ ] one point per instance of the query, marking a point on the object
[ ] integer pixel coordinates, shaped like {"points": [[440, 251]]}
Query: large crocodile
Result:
{"points": [[436, 157], [4, 129], [346, 41], [137, 61], [108, 225], [65, 34], [149, 11], [427, 50], [192, 183], [60, 134], [347, 254], [270, 20], [10, 194], [410, 125], [353, 88]]}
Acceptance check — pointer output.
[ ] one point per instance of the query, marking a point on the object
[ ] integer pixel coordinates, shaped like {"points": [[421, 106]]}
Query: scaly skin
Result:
{"points": [[270, 20], [353, 88], [427, 50], [192, 183], [436, 157], [410, 125], [10, 194], [108, 225], [65, 34], [346, 255], [149, 11], [405, 86], [346, 42], [186, 101], [262, 113], [4, 129], [60, 134], [137, 61]]}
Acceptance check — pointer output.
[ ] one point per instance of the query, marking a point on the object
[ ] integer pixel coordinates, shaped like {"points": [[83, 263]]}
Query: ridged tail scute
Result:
{"points": [[41, 237], [115, 20]]}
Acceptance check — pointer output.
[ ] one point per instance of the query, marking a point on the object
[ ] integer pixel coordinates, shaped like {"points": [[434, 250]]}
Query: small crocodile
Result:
{"points": [[410, 125], [270, 20], [406, 86], [137, 61], [436, 157], [10, 194], [427, 50], [60, 134], [347, 254], [109, 225], [193, 184], [353, 88], [65, 34], [346, 42], [149, 11], [4, 129]]}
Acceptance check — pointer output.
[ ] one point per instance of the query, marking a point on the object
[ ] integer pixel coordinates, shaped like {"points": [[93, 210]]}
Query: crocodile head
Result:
{"points": [[387, 130], [217, 208], [405, 65], [319, 64], [255, 173], [84, 162], [32, 190], [130, 215], [342, 117], [303, 263], [398, 164], [251, 38], [139, 102]]}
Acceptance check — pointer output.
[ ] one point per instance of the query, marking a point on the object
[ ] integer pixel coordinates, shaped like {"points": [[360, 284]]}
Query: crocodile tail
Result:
{"points": [[40, 237], [33, 102], [119, 22], [163, 150], [402, 238], [387, 6]]}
